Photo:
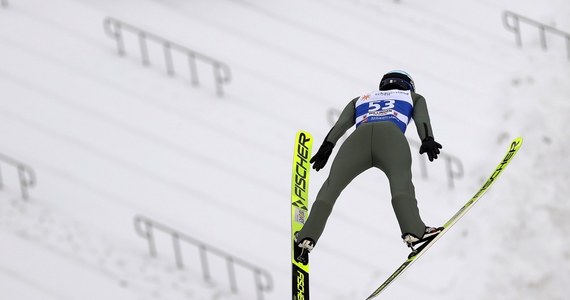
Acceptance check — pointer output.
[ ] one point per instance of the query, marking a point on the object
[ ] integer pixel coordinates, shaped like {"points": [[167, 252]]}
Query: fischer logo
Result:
{"points": [[301, 172], [300, 285], [499, 169]]}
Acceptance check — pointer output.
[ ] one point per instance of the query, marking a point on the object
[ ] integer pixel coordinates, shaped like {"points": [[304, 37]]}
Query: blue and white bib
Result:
{"points": [[394, 106]]}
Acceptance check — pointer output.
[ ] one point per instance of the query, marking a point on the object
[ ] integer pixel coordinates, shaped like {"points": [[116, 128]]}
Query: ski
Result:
{"points": [[300, 212], [417, 253]]}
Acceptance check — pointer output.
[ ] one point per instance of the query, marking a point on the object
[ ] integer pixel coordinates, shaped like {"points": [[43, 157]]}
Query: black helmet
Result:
{"points": [[398, 80]]}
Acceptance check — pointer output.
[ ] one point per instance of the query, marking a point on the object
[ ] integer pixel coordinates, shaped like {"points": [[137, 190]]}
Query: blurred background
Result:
{"points": [[146, 146]]}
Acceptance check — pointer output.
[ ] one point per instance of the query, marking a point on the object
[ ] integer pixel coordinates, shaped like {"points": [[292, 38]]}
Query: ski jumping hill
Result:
{"points": [[147, 131]]}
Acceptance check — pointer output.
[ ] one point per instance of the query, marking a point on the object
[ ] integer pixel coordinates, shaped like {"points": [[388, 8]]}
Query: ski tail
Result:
{"points": [[300, 210], [513, 149]]}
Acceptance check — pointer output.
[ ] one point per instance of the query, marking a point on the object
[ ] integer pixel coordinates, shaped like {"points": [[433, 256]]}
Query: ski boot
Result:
{"points": [[411, 240], [302, 249]]}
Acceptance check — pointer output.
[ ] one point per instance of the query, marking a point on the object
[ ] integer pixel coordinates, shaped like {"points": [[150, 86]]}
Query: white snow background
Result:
{"points": [[110, 139]]}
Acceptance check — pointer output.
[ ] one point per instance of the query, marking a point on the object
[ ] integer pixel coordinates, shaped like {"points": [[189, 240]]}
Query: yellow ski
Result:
{"points": [[300, 210]]}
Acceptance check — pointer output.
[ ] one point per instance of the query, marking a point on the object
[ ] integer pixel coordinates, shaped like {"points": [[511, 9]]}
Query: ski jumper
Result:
{"points": [[381, 119]]}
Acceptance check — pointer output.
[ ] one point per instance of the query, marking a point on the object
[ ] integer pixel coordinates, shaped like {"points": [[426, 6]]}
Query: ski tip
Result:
{"points": [[516, 143], [304, 137]]}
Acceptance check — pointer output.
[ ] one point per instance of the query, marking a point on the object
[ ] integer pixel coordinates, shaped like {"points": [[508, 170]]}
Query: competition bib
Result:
{"points": [[394, 106]]}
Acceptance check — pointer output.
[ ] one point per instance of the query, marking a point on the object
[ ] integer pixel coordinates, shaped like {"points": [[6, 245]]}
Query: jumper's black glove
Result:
{"points": [[430, 147], [320, 159]]}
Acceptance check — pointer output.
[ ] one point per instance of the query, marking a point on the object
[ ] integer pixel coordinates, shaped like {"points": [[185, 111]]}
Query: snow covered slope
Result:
{"points": [[111, 139]]}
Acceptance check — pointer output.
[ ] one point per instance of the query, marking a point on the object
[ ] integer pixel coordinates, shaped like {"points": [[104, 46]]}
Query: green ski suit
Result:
{"points": [[379, 144]]}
